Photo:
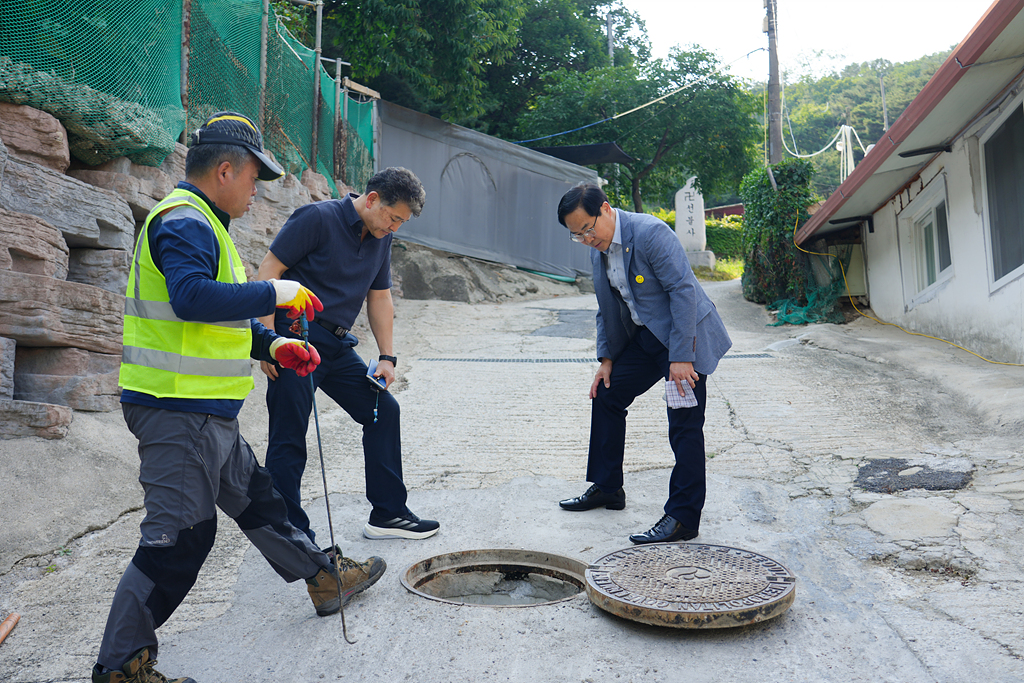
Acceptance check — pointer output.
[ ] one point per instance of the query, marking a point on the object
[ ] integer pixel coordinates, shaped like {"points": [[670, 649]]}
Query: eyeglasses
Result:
{"points": [[585, 234]]}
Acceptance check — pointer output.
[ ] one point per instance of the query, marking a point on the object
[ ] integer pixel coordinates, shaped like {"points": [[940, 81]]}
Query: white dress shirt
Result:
{"points": [[616, 269]]}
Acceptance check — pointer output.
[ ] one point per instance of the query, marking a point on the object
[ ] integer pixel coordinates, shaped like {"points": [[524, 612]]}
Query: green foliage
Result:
{"points": [[556, 35], [725, 269], [773, 267], [815, 107], [725, 236], [431, 56], [705, 130], [665, 215]]}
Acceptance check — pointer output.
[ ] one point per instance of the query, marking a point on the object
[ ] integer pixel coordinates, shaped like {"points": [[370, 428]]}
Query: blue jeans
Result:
{"points": [[342, 376], [643, 363]]}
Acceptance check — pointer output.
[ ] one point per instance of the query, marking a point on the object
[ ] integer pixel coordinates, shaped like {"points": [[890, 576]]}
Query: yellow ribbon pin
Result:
{"points": [[640, 279]]}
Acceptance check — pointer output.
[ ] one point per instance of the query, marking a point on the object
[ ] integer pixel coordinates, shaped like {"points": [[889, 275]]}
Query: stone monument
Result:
{"points": [[690, 228]]}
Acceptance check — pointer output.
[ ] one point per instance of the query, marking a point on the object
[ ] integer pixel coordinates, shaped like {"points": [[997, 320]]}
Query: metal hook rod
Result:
{"points": [[304, 326]]}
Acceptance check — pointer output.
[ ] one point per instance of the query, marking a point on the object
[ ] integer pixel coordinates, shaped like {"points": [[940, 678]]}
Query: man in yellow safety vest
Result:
{"points": [[190, 329]]}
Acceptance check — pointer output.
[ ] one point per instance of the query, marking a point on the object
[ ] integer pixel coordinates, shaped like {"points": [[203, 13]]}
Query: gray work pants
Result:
{"points": [[192, 463]]}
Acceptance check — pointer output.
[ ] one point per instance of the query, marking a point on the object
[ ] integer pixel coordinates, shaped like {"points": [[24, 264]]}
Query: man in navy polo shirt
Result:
{"points": [[341, 249]]}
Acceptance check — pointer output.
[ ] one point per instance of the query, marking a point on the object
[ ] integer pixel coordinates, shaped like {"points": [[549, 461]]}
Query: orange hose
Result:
{"points": [[8, 625]]}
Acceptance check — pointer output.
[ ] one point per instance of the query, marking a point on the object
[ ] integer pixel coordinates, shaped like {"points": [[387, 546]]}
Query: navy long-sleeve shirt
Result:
{"points": [[186, 251]]}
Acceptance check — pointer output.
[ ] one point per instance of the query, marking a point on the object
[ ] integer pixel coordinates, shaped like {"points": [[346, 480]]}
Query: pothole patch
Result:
{"points": [[889, 475]]}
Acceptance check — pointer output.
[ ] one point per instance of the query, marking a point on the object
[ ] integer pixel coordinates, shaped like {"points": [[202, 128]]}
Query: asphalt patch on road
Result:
{"points": [[571, 323], [890, 475]]}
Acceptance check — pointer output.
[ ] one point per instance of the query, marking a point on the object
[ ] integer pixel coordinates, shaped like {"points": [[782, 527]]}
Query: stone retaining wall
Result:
{"points": [[67, 233]]}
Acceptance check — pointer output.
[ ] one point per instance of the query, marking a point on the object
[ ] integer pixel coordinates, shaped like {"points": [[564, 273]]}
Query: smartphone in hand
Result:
{"points": [[378, 383]]}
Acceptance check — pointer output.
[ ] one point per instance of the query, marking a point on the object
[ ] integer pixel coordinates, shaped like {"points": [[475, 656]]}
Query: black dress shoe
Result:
{"points": [[595, 498], [667, 529]]}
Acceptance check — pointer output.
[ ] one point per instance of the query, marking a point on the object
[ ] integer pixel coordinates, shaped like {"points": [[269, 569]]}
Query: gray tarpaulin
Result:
{"points": [[486, 198]]}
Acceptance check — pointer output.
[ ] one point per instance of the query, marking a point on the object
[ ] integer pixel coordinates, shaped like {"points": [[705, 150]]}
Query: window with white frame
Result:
{"points": [[931, 242], [925, 238], [1004, 182]]}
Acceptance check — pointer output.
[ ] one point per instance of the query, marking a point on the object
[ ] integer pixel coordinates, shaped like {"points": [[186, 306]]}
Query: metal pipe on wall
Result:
{"points": [[264, 39], [186, 16], [316, 82], [337, 117]]}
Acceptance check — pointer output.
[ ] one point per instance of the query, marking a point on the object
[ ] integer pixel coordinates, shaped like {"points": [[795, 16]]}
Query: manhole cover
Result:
{"points": [[496, 578], [690, 585]]}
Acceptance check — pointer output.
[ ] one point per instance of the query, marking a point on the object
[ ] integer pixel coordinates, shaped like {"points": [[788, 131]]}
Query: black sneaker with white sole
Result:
{"points": [[403, 526]]}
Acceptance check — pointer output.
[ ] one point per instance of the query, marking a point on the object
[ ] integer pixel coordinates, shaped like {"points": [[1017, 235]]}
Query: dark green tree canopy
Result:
{"points": [[430, 55], [706, 129], [556, 35]]}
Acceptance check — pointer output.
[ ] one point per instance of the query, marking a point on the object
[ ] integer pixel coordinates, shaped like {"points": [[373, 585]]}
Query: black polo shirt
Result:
{"points": [[321, 247]]}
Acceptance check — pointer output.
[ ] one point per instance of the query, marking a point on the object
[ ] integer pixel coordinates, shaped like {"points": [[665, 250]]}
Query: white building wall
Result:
{"points": [[963, 308]]}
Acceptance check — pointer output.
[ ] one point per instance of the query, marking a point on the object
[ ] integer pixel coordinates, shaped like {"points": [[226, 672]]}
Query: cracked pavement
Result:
{"points": [[908, 585]]}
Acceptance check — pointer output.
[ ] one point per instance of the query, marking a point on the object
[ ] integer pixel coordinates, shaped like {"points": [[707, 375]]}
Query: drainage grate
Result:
{"points": [[512, 360], [561, 360], [690, 585]]}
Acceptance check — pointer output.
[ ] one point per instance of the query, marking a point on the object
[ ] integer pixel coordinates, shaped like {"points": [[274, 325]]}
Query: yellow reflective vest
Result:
{"points": [[165, 356]]}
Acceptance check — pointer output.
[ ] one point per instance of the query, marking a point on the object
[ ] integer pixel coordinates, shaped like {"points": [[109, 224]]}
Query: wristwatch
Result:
{"points": [[393, 359]]}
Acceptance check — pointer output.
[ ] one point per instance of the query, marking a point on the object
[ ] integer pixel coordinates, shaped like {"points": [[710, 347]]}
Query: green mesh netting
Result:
{"points": [[109, 71], [225, 36], [356, 145], [824, 290]]}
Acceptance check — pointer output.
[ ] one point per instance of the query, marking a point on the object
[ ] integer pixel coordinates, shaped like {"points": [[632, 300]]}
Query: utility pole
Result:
{"points": [[885, 113], [611, 39], [774, 86]]}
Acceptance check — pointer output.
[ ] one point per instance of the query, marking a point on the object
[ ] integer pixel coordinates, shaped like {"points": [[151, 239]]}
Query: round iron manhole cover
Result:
{"points": [[690, 585]]}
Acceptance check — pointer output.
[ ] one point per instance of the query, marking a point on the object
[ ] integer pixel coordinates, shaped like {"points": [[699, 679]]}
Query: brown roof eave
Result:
{"points": [[970, 49]]}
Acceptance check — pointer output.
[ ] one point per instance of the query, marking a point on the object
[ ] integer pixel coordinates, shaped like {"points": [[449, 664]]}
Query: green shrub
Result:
{"points": [[774, 268], [725, 236], [665, 215]]}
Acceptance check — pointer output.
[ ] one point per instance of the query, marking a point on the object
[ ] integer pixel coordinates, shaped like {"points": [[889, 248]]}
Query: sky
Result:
{"points": [[855, 31]]}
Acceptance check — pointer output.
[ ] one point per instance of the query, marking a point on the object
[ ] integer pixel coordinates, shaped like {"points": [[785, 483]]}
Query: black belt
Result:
{"points": [[336, 330]]}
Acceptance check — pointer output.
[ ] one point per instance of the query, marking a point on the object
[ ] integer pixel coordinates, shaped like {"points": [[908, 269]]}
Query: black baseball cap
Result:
{"points": [[232, 128]]}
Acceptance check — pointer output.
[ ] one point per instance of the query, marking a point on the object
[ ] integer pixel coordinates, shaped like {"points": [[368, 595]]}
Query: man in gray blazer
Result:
{"points": [[654, 322]]}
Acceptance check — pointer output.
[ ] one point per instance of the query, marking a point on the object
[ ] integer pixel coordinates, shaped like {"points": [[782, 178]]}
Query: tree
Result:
{"points": [[815, 107], [703, 128], [428, 55], [557, 35]]}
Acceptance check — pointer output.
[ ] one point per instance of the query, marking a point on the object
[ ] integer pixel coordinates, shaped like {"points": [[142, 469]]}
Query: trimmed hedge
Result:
{"points": [[725, 236]]}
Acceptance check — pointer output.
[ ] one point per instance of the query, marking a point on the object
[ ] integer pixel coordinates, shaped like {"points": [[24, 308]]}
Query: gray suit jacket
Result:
{"points": [[667, 296]]}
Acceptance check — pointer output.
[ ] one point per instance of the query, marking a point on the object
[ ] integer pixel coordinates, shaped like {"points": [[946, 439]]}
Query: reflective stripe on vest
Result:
{"points": [[165, 356]]}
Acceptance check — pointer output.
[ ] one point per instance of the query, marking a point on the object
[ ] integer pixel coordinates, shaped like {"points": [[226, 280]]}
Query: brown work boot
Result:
{"points": [[138, 669], [355, 578]]}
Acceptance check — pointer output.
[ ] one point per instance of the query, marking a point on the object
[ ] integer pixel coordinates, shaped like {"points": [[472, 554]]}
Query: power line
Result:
{"points": [[642, 106]]}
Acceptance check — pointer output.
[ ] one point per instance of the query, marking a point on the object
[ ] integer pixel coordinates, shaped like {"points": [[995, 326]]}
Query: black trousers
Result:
{"points": [[642, 365]]}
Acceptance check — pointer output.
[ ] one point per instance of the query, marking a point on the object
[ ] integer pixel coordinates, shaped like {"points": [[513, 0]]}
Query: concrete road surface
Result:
{"points": [[811, 431]]}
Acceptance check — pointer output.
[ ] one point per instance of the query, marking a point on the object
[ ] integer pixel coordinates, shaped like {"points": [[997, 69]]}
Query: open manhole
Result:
{"points": [[690, 585], [496, 578]]}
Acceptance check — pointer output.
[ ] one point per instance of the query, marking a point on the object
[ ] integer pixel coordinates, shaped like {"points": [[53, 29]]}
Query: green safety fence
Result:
{"points": [[111, 72]]}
